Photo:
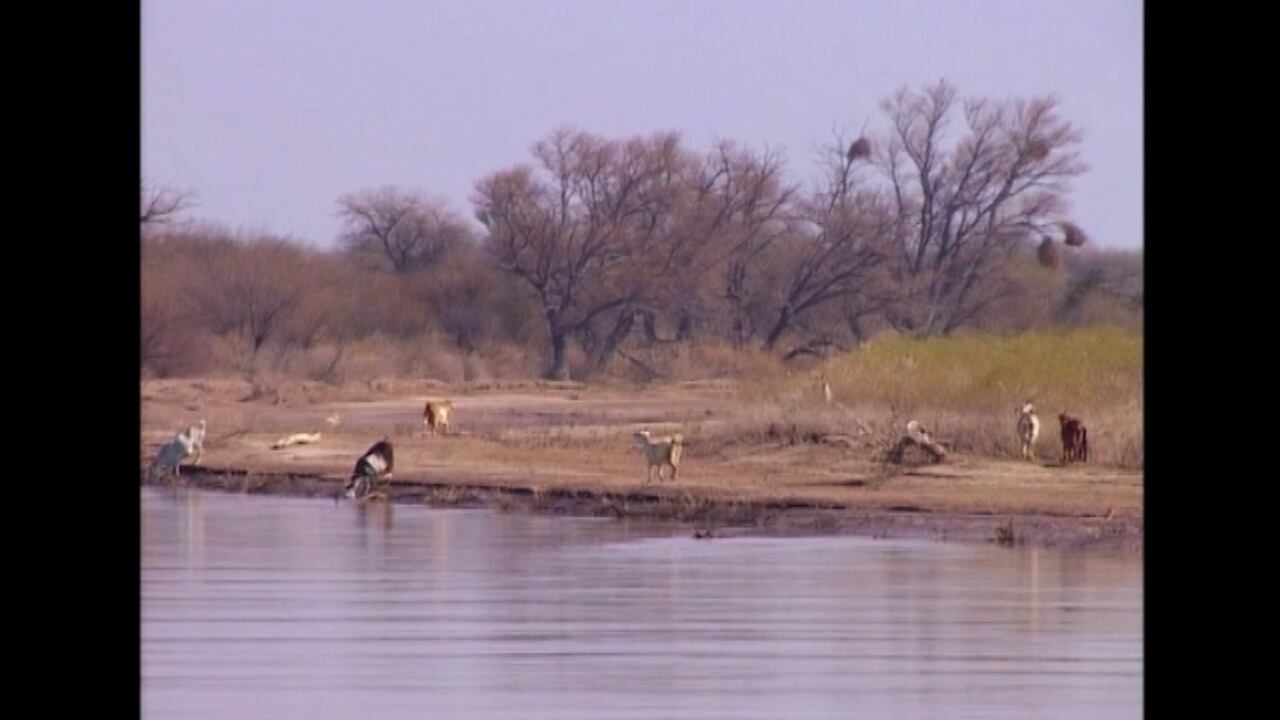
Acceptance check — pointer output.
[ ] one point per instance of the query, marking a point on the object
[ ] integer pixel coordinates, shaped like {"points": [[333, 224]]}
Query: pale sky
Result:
{"points": [[270, 110]]}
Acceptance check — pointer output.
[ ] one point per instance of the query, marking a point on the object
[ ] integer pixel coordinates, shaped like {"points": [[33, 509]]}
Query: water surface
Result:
{"points": [[271, 607]]}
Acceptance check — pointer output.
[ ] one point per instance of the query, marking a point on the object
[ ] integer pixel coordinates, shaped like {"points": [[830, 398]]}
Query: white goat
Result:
{"points": [[661, 453], [1028, 430]]}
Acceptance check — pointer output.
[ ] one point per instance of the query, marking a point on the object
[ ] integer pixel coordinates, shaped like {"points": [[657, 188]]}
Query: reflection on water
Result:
{"points": [[264, 607]]}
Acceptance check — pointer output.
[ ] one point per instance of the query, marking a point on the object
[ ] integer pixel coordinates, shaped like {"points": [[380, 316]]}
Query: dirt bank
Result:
{"points": [[566, 450]]}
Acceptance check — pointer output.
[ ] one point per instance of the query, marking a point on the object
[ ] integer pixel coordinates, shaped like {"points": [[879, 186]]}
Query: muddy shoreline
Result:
{"points": [[703, 514]]}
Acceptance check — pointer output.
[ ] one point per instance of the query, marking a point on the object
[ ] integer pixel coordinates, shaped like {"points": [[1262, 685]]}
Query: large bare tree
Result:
{"points": [[741, 209], [962, 208], [402, 229], [587, 228], [251, 288], [838, 242]]}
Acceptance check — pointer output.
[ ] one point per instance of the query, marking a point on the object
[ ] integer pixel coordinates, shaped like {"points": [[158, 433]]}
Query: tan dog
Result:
{"points": [[435, 416], [661, 453]]}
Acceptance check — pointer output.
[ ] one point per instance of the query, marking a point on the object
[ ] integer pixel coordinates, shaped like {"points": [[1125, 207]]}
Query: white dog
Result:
{"points": [[1028, 430]]}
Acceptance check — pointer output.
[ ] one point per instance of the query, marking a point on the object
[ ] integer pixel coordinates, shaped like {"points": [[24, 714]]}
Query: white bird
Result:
{"points": [[172, 454]]}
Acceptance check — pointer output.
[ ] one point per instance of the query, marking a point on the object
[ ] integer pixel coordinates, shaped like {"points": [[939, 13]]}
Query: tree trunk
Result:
{"points": [[684, 331], [559, 355], [855, 327], [621, 329], [784, 322]]}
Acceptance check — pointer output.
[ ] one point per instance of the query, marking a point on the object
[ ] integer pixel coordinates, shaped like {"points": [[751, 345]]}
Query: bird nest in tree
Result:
{"points": [[1073, 235], [1049, 254], [1037, 149], [860, 148]]}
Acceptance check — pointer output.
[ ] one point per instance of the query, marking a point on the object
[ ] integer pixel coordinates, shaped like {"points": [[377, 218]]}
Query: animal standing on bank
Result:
{"points": [[1075, 439], [183, 446], [373, 468], [1028, 430], [661, 453], [435, 416]]}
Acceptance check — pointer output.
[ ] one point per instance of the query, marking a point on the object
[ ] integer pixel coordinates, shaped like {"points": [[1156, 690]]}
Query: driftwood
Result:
{"points": [[816, 347], [841, 440], [916, 436], [652, 373]]}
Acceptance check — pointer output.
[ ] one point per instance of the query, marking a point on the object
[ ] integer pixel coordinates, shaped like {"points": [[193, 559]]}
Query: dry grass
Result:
{"points": [[706, 360], [742, 461], [1049, 254], [749, 448], [965, 388]]}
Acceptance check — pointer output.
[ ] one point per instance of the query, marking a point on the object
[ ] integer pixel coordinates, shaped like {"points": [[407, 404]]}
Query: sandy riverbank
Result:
{"points": [[566, 449]]}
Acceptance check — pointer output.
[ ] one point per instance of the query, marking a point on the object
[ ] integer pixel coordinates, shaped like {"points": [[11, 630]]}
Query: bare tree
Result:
{"points": [[467, 296], [405, 230], [741, 208], [251, 289], [836, 245], [159, 205], [165, 337], [587, 229], [961, 211]]}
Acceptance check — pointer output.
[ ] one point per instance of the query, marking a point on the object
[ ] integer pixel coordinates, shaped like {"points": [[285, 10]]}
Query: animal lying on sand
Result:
{"points": [[296, 439]]}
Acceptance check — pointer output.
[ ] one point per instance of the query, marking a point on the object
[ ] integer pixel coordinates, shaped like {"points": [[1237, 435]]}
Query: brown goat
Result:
{"points": [[1075, 439]]}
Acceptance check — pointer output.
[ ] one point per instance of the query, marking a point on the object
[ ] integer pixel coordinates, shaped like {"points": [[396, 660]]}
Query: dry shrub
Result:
{"points": [[703, 360], [1049, 254], [508, 361], [964, 388], [428, 358], [401, 386], [382, 356], [790, 420], [1030, 299]]}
